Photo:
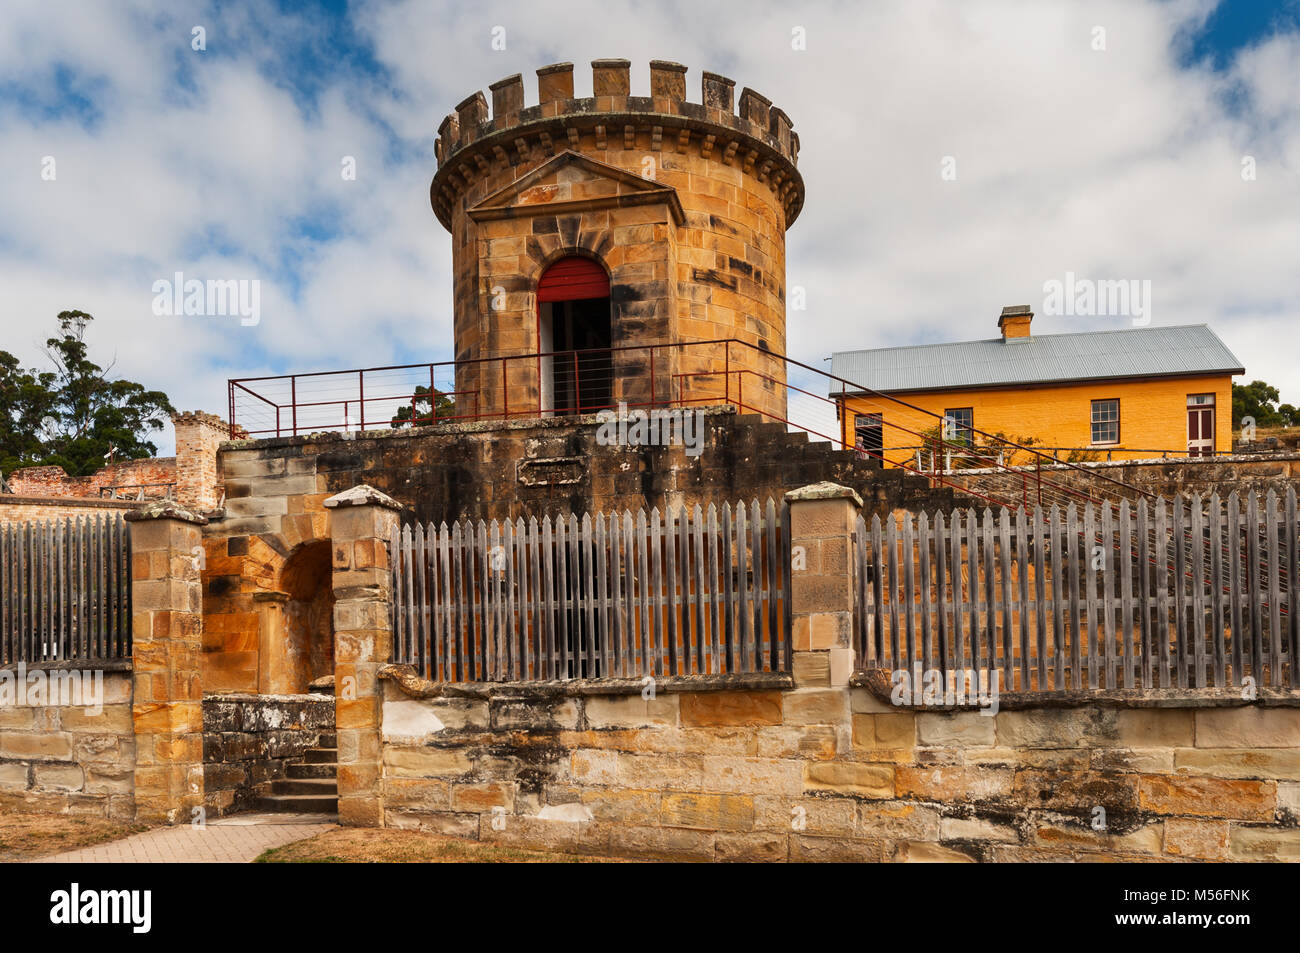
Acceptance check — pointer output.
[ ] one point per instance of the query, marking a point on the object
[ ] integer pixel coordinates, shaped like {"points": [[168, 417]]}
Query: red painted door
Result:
{"points": [[1200, 431]]}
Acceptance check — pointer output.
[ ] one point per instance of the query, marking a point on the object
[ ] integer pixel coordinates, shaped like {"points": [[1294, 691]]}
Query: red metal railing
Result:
{"points": [[569, 382]]}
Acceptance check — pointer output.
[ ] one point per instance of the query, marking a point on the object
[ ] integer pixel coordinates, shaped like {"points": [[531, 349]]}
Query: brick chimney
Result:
{"points": [[1014, 323], [198, 435]]}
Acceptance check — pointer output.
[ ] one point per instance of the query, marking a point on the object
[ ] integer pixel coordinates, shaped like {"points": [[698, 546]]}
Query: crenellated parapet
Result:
{"points": [[478, 142]]}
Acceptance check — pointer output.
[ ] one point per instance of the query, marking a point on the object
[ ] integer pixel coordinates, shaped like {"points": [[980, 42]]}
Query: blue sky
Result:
{"points": [[224, 163]]}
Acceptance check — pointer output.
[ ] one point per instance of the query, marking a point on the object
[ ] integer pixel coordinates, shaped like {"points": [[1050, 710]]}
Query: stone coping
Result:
{"points": [[463, 427], [254, 697], [83, 502], [404, 677], [72, 665], [877, 682]]}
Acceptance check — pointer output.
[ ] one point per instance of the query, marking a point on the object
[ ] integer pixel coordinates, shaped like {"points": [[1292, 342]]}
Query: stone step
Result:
{"points": [[322, 786], [298, 803], [321, 756], [312, 770]]}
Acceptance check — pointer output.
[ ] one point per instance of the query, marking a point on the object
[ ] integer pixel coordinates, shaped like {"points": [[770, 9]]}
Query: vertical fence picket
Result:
{"points": [[1197, 629], [1041, 543], [1124, 563], [1022, 579], [774, 562], [756, 561], [645, 658], [746, 619], [728, 604], [787, 614], [1254, 591], [605, 654], [716, 607], [669, 589], [1008, 650], [1216, 587], [1293, 586], [701, 636], [1274, 592], [944, 649], [954, 529]]}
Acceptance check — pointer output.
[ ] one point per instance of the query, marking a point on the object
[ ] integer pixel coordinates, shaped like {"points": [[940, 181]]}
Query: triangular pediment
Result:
{"points": [[570, 183]]}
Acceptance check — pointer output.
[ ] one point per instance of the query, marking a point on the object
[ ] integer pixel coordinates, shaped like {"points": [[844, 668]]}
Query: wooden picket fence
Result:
{"points": [[686, 593], [65, 590], [1177, 594]]}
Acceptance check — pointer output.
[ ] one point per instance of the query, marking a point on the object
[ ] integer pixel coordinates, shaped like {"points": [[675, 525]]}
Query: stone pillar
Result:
{"points": [[167, 632], [822, 518], [362, 521]]}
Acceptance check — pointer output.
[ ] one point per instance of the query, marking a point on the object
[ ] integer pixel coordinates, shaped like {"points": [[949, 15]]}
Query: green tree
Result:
{"points": [[1257, 400], [75, 415], [419, 412]]}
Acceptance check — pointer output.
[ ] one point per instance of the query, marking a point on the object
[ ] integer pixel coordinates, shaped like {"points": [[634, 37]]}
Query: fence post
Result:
{"points": [[167, 633], [822, 519], [362, 521]]}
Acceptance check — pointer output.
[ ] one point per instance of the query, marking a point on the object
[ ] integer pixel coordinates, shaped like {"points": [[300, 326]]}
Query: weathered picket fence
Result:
{"points": [[686, 593], [65, 590], [1177, 594]]}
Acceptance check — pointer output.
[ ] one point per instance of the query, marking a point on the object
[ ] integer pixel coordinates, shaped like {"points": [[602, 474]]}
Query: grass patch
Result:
{"points": [[26, 836], [356, 845]]}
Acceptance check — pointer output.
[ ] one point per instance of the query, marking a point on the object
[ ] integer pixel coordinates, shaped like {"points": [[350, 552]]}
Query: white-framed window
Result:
{"points": [[959, 425], [1105, 421]]}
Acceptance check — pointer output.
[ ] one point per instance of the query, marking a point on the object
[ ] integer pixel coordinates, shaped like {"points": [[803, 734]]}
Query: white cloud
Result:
{"points": [[1114, 164]]}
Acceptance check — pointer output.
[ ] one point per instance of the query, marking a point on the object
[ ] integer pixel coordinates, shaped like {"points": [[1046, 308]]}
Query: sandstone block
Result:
{"points": [[862, 780], [705, 709], [1208, 797], [1206, 840]]}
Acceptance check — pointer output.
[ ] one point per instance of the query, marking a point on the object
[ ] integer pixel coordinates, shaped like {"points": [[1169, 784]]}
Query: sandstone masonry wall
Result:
{"points": [[67, 759], [820, 773]]}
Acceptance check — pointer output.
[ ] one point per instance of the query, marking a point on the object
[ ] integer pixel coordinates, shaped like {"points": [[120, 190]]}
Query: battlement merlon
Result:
{"points": [[760, 138]]}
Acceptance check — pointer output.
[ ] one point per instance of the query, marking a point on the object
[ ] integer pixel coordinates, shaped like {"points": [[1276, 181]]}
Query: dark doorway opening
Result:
{"points": [[575, 335]]}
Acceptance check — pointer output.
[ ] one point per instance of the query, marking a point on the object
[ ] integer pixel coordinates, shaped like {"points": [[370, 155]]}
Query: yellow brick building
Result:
{"points": [[1131, 393]]}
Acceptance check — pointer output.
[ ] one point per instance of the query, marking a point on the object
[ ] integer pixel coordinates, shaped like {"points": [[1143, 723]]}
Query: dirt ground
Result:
{"points": [[26, 836]]}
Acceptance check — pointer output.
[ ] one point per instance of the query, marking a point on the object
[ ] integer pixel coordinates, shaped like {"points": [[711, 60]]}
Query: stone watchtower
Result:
{"points": [[609, 224]]}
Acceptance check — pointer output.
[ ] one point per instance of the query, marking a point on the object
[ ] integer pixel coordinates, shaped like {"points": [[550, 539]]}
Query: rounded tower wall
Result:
{"points": [[684, 204]]}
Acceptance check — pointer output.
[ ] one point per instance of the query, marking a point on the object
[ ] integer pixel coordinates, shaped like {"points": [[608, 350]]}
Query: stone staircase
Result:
{"points": [[310, 786]]}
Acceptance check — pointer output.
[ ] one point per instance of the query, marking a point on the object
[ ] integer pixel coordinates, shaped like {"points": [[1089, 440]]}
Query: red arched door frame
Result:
{"points": [[571, 278]]}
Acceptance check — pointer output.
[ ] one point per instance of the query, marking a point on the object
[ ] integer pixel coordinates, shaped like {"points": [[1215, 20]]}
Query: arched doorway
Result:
{"points": [[308, 651], [574, 336]]}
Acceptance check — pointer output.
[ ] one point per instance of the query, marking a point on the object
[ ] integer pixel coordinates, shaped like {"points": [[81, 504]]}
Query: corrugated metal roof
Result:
{"points": [[1045, 358]]}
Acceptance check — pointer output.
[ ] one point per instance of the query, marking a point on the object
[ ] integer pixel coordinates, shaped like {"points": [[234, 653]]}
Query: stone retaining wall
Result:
{"points": [[820, 773], [248, 739], [68, 759]]}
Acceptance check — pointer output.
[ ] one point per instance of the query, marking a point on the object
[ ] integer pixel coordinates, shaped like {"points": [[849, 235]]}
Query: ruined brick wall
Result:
{"points": [[54, 481], [684, 204], [24, 509], [249, 739], [819, 773], [68, 759]]}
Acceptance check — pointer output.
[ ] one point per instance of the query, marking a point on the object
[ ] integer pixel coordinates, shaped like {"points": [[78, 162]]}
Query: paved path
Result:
{"points": [[228, 840]]}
